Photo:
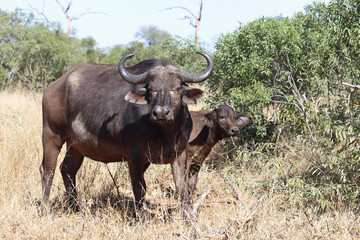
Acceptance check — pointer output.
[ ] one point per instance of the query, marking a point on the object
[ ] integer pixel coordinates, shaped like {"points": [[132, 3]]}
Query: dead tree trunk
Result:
{"points": [[65, 9], [192, 17], [197, 25]]}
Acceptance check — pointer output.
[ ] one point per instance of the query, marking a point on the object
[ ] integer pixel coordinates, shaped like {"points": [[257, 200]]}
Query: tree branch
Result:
{"points": [[190, 20], [249, 215], [179, 7], [41, 13], [86, 13], [65, 9], [351, 85], [238, 196], [199, 200], [114, 181], [196, 25]]}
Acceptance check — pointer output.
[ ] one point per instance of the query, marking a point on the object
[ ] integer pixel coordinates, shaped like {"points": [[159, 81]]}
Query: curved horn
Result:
{"points": [[199, 77], [130, 78]]}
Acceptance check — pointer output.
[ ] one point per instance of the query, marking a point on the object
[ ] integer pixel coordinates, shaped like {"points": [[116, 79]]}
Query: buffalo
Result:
{"points": [[209, 127], [112, 113]]}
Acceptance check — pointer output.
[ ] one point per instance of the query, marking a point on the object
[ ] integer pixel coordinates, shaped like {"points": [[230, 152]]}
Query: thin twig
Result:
{"points": [[183, 8], [238, 196], [199, 200], [253, 208], [192, 217], [41, 13], [183, 235], [248, 215], [309, 220], [112, 177], [351, 85], [193, 222]]}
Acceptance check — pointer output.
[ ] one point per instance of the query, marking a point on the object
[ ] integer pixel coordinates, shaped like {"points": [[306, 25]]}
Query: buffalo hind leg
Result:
{"points": [[69, 167], [52, 143]]}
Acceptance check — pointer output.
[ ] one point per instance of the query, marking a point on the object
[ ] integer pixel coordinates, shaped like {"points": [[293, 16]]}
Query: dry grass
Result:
{"points": [[105, 214]]}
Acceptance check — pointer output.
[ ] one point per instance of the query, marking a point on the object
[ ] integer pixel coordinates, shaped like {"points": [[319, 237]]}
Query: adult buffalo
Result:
{"points": [[209, 127], [114, 113]]}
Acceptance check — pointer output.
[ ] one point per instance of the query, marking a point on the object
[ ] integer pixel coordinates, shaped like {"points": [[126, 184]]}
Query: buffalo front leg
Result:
{"points": [[136, 172], [69, 167], [193, 174], [51, 148], [179, 167]]}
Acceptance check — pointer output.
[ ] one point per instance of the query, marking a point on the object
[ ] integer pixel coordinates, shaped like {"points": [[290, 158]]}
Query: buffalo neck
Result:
{"points": [[206, 139]]}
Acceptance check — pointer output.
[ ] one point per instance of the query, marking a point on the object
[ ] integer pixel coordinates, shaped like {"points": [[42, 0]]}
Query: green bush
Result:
{"points": [[287, 74]]}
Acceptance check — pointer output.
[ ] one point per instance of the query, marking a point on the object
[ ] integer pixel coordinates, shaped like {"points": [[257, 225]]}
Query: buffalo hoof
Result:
{"points": [[44, 209], [72, 205]]}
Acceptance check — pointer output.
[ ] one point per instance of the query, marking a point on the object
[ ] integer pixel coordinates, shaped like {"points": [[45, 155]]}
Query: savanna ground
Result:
{"points": [[234, 209]]}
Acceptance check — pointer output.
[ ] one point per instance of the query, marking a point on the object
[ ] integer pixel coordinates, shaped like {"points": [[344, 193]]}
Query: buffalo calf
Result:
{"points": [[209, 127]]}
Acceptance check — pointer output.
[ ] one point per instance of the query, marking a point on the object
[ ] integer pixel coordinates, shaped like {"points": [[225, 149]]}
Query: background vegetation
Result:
{"points": [[234, 208], [301, 153], [287, 74]]}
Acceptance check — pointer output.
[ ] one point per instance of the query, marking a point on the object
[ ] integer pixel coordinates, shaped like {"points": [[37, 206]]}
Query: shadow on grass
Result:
{"points": [[107, 203]]}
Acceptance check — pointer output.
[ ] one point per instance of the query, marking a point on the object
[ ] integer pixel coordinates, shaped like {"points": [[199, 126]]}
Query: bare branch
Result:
{"points": [[197, 19], [351, 85], [41, 13], [238, 197], [86, 13], [194, 223], [183, 235], [198, 202], [200, 11], [283, 95], [112, 177], [184, 8], [249, 215], [190, 20], [309, 220], [65, 9], [254, 207], [193, 216]]}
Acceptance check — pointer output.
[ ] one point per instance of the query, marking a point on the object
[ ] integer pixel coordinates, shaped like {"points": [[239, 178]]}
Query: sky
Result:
{"points": [[117, 21]]}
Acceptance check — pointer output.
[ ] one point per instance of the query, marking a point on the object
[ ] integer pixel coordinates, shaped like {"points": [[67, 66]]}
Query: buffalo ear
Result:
{"points": [[208, 119], [241, 120], [191, 95], [137, 96]]}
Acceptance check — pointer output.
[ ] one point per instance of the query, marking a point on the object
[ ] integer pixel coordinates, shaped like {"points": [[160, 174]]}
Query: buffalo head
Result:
{"points": [[224, 121], [165, 87]]}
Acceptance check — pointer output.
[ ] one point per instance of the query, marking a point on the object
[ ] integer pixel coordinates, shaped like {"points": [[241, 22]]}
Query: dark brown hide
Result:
{"points": [[209, 127], [103, 117]]}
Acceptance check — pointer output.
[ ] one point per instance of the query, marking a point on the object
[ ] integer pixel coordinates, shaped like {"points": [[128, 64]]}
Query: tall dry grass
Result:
{"points": [[228, 212]]}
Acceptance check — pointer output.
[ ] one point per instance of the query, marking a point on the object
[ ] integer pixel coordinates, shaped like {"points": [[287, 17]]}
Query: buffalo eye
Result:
{"points": [[152, 93], [176, 91]]}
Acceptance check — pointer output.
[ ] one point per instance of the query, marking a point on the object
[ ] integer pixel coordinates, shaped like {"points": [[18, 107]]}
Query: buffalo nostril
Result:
{"points": [[161, 113], [235, 130]]}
